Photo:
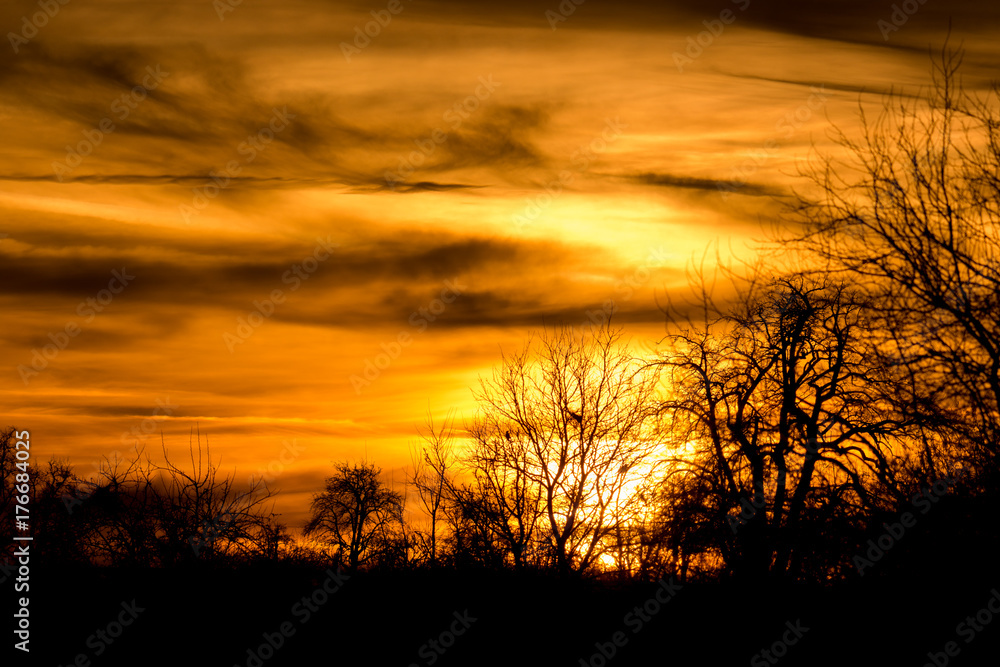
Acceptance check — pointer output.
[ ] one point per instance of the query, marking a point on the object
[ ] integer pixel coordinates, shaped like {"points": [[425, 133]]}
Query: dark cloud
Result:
{"points": [[849, 21], [822, 86], [502, 139], [198, 116], [712, 185], [515, 309], [400, 275], [257, 182], [430, 186]]}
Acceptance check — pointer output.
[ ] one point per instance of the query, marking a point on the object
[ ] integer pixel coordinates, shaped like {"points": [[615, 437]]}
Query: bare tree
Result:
{"points": [[43, 484], [140, 513], [121, 510], [786, 411], [574, 423], [508, 496], [912, 216], [209, 513], [355, 512], [8, 481], [472, 540], [431, 476]]}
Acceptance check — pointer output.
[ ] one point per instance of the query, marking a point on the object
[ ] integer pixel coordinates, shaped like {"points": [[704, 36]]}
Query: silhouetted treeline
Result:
{"points": [[133, 513]]}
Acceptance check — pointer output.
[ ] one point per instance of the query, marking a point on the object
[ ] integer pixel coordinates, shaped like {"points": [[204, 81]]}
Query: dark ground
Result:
{"points": [[384, 619], [908, 604]]}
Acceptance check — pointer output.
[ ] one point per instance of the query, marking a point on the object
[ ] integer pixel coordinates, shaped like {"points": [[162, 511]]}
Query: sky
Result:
{"points": [[300, 228]]}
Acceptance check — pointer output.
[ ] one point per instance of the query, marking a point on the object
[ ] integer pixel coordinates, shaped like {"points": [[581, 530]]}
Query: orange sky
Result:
{"points": [[213, 157]]}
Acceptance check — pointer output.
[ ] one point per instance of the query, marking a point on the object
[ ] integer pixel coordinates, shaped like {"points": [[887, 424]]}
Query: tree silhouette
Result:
{"points": [[911, 215], [571, 427], [56, 536], [209, 513], [431, 478], [789, 417], [140, 513], [509, 497], [356, 513]]}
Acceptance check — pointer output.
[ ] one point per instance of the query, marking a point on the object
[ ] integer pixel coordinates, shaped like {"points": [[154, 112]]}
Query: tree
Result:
{"points": [[356, 513], [786, 411], [56, 536], [473, 540], [8, 481], [911, 215], [567, 431], [507, 497], [207, 515], [431, 477], [122, 508], [139, 513]]}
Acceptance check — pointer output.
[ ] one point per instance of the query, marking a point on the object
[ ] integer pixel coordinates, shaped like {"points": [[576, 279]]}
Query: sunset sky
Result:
{"points": [[435, 192]]}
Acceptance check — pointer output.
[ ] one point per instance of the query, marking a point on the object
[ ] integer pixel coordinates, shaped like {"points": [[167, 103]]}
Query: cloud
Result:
{"points": [[712, 185], [430, 186], [371, 280], [826, 86]]}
